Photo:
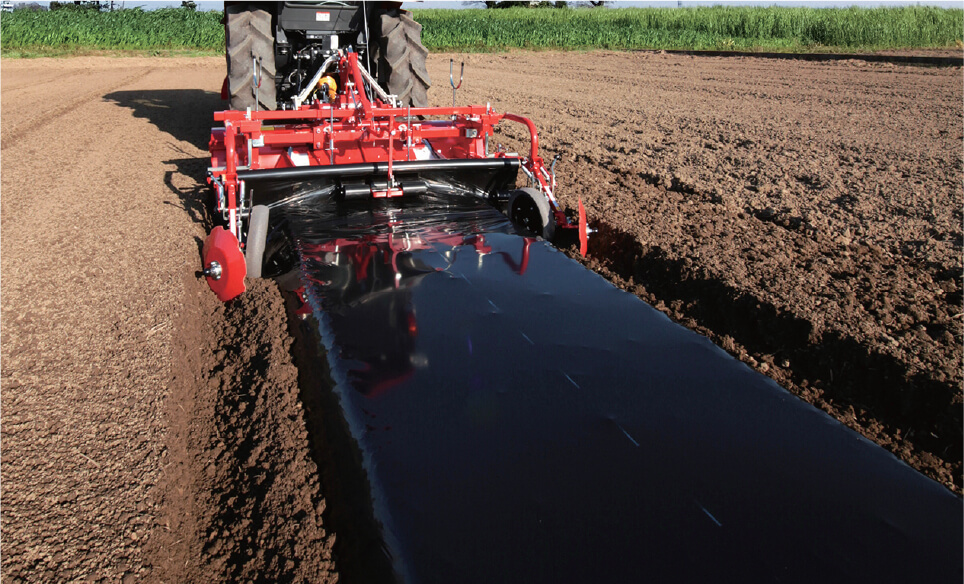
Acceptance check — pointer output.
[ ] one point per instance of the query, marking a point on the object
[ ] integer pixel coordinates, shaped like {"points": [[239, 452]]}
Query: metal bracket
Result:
{"points": [[331, 135], [552, 168]]}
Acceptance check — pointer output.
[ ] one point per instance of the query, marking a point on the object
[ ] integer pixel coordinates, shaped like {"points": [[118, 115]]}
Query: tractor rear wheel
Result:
{"points": [[401, 58], [249, 38]]}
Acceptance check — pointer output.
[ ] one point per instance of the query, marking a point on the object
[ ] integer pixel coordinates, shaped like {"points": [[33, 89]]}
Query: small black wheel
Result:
{"points": [[529, 209], [257, 235]]}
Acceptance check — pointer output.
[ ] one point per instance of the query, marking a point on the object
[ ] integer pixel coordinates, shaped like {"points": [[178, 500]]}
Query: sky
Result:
{"points": [[210, 5]]}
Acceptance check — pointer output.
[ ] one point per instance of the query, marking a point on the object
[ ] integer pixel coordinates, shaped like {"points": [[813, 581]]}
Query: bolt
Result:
{"points": [[213, 271]]}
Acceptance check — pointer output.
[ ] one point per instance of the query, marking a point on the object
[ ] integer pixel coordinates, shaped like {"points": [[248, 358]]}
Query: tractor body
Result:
{"points": [[340, 135]]}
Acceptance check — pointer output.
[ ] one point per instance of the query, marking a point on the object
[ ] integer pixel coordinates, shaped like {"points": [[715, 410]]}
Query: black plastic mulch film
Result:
{"points": [[517, 418]]}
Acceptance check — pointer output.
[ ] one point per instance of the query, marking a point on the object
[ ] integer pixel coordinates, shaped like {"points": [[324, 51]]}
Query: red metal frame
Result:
{"points": [[355, 129]]}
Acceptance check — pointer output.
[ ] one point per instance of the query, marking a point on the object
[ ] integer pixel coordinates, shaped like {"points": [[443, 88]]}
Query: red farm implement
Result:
{"points": [[347, 137]]}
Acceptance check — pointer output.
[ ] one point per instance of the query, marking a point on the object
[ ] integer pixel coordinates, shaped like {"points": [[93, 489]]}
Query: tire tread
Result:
{"points": [[248, 30]]}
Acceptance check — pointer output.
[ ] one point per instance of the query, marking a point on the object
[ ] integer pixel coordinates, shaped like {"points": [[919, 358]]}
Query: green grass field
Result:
{"points": [[695, 28], [25, 33], [66, 31]]}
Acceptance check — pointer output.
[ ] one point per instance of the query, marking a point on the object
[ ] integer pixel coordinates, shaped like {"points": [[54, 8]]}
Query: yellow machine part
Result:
{"points": [[332, 86]]}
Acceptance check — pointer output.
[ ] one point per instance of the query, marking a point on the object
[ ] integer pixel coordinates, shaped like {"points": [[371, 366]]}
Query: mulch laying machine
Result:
{"points": [[345, 136]]}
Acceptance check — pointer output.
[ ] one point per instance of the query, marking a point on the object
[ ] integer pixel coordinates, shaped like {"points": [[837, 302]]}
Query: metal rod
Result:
{"points": [[256, 72], [379, 168], [390, 99], [391, 155], [331, 135]]}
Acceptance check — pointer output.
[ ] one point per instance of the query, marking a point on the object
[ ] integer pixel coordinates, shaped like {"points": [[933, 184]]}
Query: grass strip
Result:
{"points": [[772, 28], [791, 29], [76, 30]]}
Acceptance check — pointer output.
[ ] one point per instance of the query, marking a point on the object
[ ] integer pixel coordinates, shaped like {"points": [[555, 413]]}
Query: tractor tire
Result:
{"points": [[529, 209], [247, 33], [257, 235], [401, 58]]}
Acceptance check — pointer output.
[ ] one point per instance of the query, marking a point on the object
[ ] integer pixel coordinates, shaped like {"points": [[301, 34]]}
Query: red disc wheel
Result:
{"points": [[224, 262]]}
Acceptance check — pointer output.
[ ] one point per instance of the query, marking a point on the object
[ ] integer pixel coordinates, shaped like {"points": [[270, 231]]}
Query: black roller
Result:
{"points": [[379, 168], [353, 191], [486, 177]]}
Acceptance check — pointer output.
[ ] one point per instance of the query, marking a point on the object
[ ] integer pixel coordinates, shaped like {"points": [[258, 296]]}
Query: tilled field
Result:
{"points": [[805, 215]]}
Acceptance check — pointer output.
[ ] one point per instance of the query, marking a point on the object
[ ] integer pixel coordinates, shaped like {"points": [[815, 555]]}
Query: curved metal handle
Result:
{"points": [[256, 70], [461, 74], [452, 80]]}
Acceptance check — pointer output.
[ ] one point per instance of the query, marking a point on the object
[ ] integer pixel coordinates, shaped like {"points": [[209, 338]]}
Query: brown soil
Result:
{"points": [[806, 216], [149, 432], [957, 53]]}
